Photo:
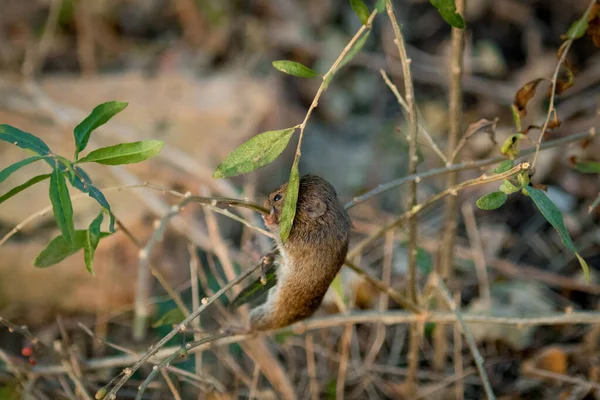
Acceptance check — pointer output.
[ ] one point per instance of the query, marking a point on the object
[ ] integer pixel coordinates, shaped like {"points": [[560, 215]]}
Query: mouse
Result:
{"points": [[311, 256]]}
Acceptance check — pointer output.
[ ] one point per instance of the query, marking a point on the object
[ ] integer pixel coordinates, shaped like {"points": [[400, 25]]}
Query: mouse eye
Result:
{"points": [[277, 197]]}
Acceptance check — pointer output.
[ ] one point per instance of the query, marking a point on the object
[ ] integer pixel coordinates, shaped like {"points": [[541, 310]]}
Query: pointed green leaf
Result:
{"points": [[98, 117], [361, 10], [552, 215], [447, 9], [23, 139], [491, 201], [294, 68], [555, 218], [256, 289], [358, 45], [83, 183], [587, 167], [380, 5], [289, 206], [61, 204], [171, 317], [124, 153], [504, 166], [59, 249], [255, 153], [508, 188], [92, 239], [577, 29], [5, 173], [584, 267], [20, 188]]}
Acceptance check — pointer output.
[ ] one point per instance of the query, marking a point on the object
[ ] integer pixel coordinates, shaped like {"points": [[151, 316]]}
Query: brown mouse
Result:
{"points": [[311, 256]]}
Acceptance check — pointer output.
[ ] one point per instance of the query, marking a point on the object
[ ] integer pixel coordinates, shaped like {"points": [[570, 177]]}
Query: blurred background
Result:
{"points": [[197, 74]]}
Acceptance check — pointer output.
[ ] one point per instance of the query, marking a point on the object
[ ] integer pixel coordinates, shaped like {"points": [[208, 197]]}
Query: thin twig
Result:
{"points": [[563, 56], [201, 379], [477, 251], [445, 256], [561, 378], [154, 349], [459, 389], [413, 356], [437, 282], [384, 187], [483, 179], [392, 317], [402, 103], [383, 301], [254, 384], [171, 386], [194, 264], [311, 367], [397, 297], [35, 55], [343, 364]]}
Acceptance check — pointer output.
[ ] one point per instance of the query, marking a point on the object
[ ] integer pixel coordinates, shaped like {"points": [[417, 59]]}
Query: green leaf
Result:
{"points": [[82, 182], [491, 201], [294, 68], [289, 206], [59, 249], [447, 9], [23, 139], [577, 29], [587, 167], [511, 146], [20, 188], [380, 5], [98, 117], [508, 188], [255, 153], [552, 215], [516, 117], [555, 218], [171, 317], [361, 10], [358, 45], [91, 242], [124, 153], [256, 289], [504, 166], [5, 173], [61, 204], [584, 267]]}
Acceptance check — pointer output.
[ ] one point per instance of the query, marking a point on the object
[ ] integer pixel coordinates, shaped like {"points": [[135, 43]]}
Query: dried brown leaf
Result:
{"points": [[525, 94], [563, 84], [483, 125], [554, 123]]}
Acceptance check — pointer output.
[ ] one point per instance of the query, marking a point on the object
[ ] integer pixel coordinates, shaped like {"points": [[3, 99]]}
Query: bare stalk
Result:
{"points": [[413, 356], [437, 282], [446, 254]]}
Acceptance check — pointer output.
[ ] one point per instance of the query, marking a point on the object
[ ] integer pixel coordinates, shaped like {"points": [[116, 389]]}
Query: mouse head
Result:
{"points": [[312, 196]]}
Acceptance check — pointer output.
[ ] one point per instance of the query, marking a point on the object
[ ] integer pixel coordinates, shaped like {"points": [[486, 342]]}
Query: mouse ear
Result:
{"points": [[315, 208]]}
